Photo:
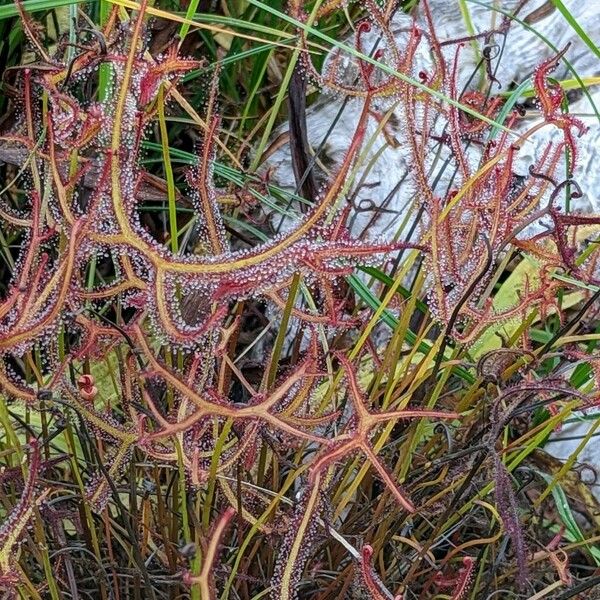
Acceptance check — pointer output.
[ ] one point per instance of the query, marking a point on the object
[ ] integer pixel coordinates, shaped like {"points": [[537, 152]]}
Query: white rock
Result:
{"points": [[564, 443], [382, 182], [525, 46]]}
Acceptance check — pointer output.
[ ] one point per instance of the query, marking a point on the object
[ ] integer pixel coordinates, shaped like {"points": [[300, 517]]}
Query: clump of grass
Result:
{"points": [[152, 449]]}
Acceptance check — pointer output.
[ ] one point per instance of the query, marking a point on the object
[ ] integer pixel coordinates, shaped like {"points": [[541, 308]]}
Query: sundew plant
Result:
{"points": [[212, 387]]}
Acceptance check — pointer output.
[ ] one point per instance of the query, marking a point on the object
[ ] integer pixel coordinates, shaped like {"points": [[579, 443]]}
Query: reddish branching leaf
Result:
{"points": [[461, 581], [204, 582], [16, 522], [371, 580], [167, 315]]}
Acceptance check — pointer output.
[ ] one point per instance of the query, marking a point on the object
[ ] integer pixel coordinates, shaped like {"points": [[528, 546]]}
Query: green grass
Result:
{"points": [[158, 522]]}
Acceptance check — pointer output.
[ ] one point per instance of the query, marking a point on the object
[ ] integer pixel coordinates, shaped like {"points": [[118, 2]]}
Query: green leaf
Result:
{"points": [[371, 300], [383, 67], [31, 6], [566, 514], [546, 41], [527, 272], [575, 25]]}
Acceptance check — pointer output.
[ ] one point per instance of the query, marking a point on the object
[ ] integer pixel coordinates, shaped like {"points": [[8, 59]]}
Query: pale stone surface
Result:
{"points": [[382, 181], [564, 443], [525, 47]]}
